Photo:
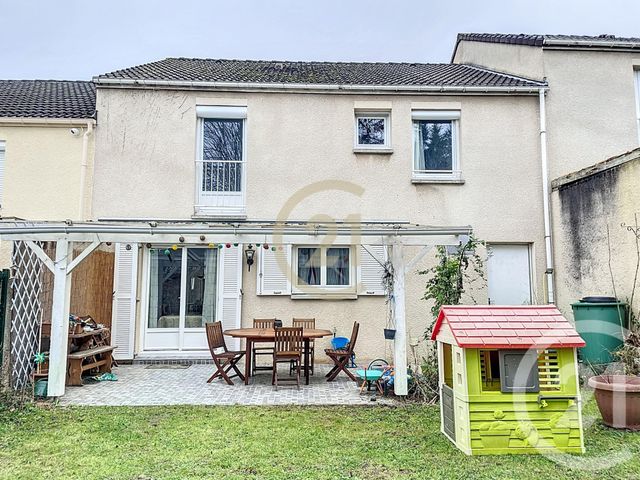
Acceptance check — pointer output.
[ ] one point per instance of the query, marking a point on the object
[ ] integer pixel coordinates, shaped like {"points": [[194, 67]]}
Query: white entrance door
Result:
{"points": [[182, 298], [509, 274]]}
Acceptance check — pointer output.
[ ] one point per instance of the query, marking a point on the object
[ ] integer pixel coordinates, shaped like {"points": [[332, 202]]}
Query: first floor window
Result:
{"points": [[372, 130], [329, 267], [637, 74], [435, 147], [222, 151], [220, 160]]}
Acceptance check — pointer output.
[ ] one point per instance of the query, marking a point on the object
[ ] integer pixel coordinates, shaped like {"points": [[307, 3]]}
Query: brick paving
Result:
{"points": [[139, 385]]}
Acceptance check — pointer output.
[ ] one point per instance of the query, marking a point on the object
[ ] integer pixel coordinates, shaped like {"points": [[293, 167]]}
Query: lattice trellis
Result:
{"points": [[26, 309]]}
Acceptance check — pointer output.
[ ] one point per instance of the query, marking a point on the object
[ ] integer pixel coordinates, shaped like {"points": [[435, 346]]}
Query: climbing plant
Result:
{"points": [[449, 278]]}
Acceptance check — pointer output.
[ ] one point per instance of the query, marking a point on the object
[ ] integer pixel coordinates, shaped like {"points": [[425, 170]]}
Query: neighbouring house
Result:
{"points": [[592, 110], [46, 173], [46, 150], [508, 378], [598, 208]]}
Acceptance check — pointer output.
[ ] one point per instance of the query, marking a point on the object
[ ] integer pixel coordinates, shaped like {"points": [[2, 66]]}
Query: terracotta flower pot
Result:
{"points": [[618, 398]]}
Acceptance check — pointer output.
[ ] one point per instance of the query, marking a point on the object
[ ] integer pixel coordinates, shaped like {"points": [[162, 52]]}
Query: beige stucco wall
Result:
{"points": [[584, 211], [42, 174], [591, 109], [145, 151], [520, 60]]}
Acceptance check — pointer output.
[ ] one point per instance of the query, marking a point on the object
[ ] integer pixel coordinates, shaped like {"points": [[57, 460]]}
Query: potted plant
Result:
{"points": [[618, 399], [495, 434], [387, 283], [560, 429], [618, 396]]}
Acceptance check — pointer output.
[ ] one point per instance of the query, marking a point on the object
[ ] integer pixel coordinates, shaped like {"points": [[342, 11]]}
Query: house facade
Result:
{"points": [[593, 114], [193, 141]]}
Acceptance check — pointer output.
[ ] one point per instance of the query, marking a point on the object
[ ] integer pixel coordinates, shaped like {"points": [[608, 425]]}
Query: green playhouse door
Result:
{"points": [[448, 412]]}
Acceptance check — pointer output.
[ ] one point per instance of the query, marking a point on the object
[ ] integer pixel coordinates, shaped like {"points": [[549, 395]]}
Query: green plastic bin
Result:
{"points": [[600, 321]]}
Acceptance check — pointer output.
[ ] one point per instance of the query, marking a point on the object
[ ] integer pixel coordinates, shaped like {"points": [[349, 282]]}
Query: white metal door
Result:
{"points": [[509, 274]]}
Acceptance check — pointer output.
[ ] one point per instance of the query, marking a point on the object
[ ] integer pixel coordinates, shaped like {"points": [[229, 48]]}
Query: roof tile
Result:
{"points": [[47, 99], [318, 73], [519, 327]]}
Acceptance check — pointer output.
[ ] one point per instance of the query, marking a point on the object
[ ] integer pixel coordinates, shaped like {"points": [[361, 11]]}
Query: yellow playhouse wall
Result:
{"points": [[524, 409]]}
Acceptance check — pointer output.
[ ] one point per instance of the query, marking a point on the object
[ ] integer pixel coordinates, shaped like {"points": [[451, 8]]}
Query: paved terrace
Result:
{"points": [[139, 385]]}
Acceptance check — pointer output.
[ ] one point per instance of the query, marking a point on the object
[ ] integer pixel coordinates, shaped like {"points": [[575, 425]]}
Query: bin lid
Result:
{"points": [[598, 299]]}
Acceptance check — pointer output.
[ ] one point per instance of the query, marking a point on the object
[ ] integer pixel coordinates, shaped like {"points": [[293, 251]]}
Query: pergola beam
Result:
{"points": [[394, 236]]}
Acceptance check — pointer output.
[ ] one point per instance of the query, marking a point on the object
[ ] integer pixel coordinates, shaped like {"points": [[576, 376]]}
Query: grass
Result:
{"points": [[269, 442]]}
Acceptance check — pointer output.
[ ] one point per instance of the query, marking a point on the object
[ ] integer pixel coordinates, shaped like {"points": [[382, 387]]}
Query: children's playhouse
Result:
{"points": [[509, 379]]}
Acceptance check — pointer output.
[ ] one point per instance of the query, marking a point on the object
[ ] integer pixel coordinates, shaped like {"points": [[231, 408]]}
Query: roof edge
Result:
{"points": [[45, 121], [595, 169], [326, 88]]}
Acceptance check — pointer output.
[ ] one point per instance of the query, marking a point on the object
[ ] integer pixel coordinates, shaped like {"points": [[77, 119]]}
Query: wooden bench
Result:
{"points": [[103, 360]]}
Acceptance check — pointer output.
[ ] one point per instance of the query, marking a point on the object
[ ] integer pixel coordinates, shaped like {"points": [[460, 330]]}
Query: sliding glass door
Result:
{"points": [[182, 297]]}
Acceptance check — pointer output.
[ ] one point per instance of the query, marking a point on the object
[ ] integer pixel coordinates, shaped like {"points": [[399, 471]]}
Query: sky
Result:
{"points": [[75, 40]]}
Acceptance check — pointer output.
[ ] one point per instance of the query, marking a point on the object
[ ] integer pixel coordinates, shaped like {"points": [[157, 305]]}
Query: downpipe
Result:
{"points": [[545, 199], [83, 169]]}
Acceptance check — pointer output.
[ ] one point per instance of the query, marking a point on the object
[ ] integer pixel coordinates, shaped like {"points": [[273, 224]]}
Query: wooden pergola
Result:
{"points": [[394, 235]]}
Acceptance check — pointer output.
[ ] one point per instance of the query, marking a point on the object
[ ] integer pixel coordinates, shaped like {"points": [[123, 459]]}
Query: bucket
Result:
{"points": [[40, 388]]}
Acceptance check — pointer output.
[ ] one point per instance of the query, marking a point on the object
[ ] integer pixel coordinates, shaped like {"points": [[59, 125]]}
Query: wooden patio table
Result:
{"points": [[268, 335]]}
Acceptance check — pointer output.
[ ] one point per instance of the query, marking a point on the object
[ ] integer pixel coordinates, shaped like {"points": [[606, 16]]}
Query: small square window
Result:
{"points": [[372, 131]]}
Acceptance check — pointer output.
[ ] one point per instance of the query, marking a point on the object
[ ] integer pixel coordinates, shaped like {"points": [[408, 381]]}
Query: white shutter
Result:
{"points": [[274, 271], [123, 318], [369, 269], [2, 163], [231, 291]]}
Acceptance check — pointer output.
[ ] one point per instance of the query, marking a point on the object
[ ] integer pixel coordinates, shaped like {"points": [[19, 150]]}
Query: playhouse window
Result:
{"points": [[509, 371], [490, 370], [447, 357]]}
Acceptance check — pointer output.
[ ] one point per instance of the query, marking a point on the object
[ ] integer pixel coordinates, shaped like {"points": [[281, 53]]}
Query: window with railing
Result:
{"points": [[221, 161]]}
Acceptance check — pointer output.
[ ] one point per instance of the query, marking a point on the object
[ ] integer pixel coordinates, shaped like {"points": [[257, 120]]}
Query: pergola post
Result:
{"points": [[400, 386], [59, 321]]}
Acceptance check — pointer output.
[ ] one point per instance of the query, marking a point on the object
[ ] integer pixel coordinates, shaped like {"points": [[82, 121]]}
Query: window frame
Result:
{"points": [[301, 289], [435, 176], [636, 74], [498, 385], [3, 168], [374, 114], [220, 203]]}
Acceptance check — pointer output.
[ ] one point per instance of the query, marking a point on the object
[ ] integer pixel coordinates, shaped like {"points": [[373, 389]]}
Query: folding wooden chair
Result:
{"points": [[288, 347], [340, 357], [308, 324], [223, 359]]}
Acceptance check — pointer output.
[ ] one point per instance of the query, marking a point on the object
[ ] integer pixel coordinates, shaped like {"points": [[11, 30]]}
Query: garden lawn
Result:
{"points": [[190, 442]]}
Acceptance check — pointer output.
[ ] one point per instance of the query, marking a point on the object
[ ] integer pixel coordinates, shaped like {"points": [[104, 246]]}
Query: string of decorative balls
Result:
{"points": [[174, 247]]}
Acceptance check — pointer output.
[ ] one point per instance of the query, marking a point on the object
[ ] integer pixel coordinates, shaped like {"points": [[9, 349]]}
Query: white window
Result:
{"points": [[220, 169], [2, 165], [277, 271], [435, 145], [637, 74], [372, 131], [324, 270]]}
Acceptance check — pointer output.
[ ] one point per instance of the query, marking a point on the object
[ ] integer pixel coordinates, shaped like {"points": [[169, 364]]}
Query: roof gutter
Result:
{"points": [[47, 122], [123, 82]]}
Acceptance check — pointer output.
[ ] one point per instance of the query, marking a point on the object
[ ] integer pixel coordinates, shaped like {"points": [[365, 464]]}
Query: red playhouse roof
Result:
{"points": [[491, 326]]}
